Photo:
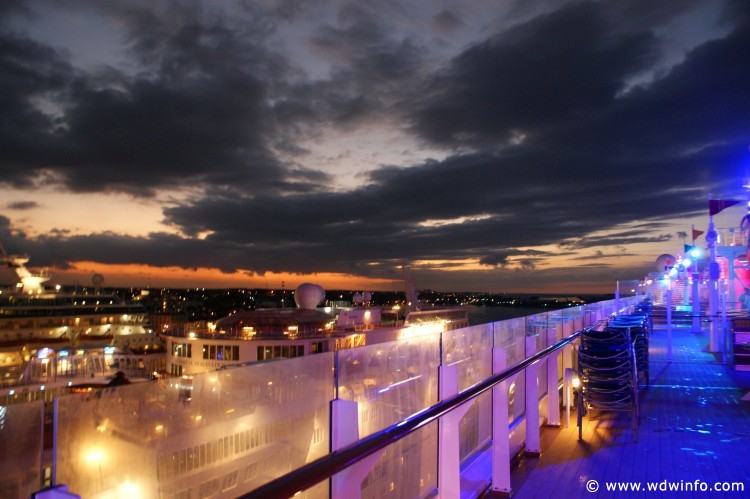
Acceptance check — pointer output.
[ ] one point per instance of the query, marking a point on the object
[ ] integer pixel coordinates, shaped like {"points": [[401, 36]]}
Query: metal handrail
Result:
{"points": [[325, 467]]}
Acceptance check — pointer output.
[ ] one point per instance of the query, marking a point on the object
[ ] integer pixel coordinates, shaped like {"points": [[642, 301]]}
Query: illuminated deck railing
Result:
{"points": [[394, 419], [326, 467]]}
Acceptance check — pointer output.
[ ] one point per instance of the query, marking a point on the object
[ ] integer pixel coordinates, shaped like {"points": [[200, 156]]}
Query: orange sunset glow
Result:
{"points": [[146, 276]]}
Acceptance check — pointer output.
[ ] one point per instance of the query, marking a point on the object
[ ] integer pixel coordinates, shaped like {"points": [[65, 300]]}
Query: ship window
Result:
{"points": [[318, 435], [212, 351], [251, 471], [226, 446], [276, 352], [285, 351], [300, 350], [230, 481], [236, 443], [172, 465], [161, 468], [269, 353], [207, 489], [205, 351], [202, 452], [260, 354]]}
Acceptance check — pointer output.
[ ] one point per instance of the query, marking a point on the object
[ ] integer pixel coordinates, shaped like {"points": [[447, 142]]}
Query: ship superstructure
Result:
{"points": [[49, 337]]}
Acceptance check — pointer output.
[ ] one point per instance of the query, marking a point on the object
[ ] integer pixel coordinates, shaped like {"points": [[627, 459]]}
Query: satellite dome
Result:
{"points": [[367, 296], [664, 261], [308, 295], [357, 298]]}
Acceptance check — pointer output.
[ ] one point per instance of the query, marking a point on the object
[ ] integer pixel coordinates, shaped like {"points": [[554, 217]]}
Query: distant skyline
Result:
{"points": [[522, 146]]}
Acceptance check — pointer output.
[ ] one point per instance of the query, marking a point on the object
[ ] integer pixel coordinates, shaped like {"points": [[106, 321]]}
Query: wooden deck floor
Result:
{"points": [[693, 425]]}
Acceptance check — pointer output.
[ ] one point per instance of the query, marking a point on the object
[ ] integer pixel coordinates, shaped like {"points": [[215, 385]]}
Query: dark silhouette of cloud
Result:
{"points": [[572, 125]]}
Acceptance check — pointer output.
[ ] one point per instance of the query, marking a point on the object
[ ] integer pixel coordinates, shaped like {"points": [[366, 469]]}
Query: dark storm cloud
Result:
{"points": [[553, 143], [372, 68], [338, 231], [614, 240], [598, 254], [194, 114], [22, 205], [536, 75], [538, 191], [503, 259], [28, 70]]}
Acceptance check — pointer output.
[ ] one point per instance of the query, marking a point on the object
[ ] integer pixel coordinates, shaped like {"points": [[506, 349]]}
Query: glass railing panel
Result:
{"points": [[407, 468], [537, 323], [470, 351], [537, 327], [475, 428], [21, 449], [511, 335], [592, 312], [217, 434], [390, 381]]}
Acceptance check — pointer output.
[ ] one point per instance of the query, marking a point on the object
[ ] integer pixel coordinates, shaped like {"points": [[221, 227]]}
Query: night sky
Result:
{"points": [[542, 146]]}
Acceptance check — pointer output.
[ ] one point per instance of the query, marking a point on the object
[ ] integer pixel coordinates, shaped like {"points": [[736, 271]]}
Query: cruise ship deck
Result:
{"points": [[694, 433], [424, 416]]}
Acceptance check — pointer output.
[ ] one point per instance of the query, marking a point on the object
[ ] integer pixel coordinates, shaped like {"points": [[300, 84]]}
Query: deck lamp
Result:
{"points": [[570, 382]]}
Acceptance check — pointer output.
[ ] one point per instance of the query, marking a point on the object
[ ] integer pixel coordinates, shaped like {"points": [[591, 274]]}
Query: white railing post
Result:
{"points": [[553, 394], [500, 426], [345, 430], [449, 465], [533, 441], [696, 307], [669, 324]]}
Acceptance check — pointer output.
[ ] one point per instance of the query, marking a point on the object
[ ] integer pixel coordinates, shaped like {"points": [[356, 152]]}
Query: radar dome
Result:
{"points": [[308, 295], [665, 261], [367, 296], [97, 280], [357, 299]]}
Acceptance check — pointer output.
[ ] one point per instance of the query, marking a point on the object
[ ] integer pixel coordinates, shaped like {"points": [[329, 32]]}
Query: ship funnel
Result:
{"points": [[30, 283]]}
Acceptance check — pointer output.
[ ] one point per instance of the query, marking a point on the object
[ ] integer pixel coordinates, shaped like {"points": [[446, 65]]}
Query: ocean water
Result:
{"points": [[483, 315]]}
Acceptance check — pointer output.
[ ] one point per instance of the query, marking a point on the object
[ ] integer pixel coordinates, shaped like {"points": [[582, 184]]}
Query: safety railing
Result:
{"points": [[235, 431], [313, 473]]}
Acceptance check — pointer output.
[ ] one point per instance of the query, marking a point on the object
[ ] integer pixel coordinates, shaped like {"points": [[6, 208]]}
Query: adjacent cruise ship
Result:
{"points": [[50, 338], [285, 333]]}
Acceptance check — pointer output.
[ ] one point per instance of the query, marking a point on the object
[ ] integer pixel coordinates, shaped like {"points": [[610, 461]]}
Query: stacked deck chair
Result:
{"points": [[608, 374], [640, 327]]}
